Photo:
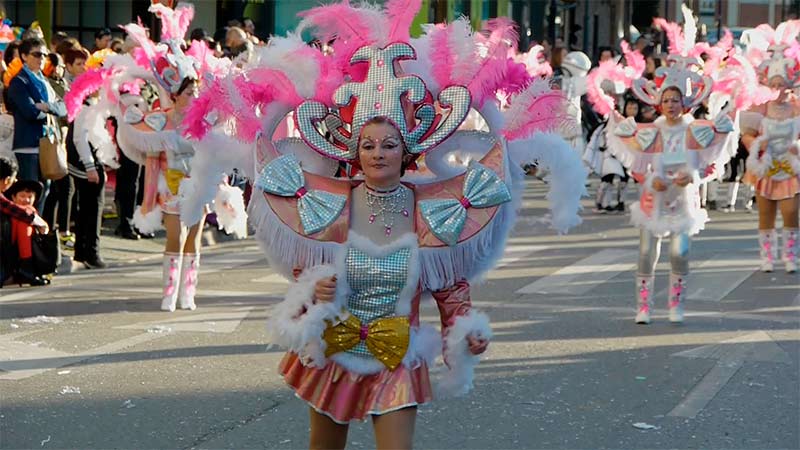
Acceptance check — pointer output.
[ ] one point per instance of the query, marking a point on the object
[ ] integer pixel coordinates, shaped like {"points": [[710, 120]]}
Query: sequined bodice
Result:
{"points": [[781, 135], [180, 158], [674, 145], [375, 286]]}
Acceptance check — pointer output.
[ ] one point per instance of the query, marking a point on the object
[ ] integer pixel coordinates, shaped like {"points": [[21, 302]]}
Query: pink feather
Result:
{"points": [[194, 120], [139, 35], [174, 23], [607, 70], [351, 27], [492, 69], [517, 77], [401, 14], [131, 87], [84, 86], [674, 34], [633, 59], [538, 108]]}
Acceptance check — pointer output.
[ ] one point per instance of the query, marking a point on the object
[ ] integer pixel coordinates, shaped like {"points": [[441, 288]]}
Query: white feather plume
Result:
{"points": [[567, 174]]}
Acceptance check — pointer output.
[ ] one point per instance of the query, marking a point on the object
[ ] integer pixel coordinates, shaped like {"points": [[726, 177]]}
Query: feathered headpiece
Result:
{"points": [[169, 64], [384, 93], [611, 77], [775, 52], [683, 69]]}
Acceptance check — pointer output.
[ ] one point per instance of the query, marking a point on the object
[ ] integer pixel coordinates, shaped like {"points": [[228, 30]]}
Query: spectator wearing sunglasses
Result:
{"points": [[31, 99]]}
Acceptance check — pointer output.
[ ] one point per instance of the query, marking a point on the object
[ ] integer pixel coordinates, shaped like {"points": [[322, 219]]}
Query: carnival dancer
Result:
{"points": [[671, 157], [604, 85], [154, 140], [771, 134], [363, 251]]}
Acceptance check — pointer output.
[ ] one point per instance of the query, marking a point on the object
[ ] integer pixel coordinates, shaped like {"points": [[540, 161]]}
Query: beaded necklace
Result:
{"points": [[385, 205]]}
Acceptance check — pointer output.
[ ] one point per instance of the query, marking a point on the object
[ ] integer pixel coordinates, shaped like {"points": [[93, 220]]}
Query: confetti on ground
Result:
{"points": [[159, 329], [13, 325], [644, 426], [41, 319], [46, 440], [70, 390], [63, 372], [128, 404]]}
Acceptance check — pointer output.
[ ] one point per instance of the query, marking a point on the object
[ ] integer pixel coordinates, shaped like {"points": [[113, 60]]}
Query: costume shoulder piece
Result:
{"points": [[142, 133], [634, 144], [464, 206]]}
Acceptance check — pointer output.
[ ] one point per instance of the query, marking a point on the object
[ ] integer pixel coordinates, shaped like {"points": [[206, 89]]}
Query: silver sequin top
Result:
{"points": [[375, 286]]}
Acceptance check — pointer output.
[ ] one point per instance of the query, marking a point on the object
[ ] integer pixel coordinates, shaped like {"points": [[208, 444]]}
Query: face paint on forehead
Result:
{"points": [[388, 138]]}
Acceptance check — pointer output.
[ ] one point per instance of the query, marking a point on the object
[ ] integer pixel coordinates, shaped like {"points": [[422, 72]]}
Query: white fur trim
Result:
{"points": [[758, 166], [303, 333], [148, 223], [691, 223], [230, 210], [457, 380], [794, 161]]}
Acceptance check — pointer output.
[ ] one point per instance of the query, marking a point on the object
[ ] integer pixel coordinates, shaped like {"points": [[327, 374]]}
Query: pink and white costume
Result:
{"points": [[152, 138], [664, 150], [367, 353]]}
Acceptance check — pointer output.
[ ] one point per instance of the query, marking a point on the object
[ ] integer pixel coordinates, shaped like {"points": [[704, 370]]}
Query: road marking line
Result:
{"points": [[582, 276], [714, 278], [730, 355]]}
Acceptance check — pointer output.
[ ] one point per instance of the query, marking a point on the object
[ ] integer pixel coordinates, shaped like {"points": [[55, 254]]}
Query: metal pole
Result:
{"points": [[551, 20]]}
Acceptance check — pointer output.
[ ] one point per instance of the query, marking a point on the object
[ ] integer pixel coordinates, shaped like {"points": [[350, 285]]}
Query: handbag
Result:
{"points": [[46, 252], [52, 152]]}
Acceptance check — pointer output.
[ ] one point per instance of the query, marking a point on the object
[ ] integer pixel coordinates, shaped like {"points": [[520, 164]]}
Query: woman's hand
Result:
{"points": [[92, 176], [325, 289], [476, 346], [659, 185], [682, 179]]}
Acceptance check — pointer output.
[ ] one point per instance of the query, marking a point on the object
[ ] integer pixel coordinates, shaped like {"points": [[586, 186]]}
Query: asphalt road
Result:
{"points": [[568, 368]]}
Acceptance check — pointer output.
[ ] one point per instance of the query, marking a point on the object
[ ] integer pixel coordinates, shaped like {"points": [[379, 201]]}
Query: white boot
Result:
{"points": [[790, 248], [171, 280], [677, 293], [768, 248], [189, 273], [644, 291]]}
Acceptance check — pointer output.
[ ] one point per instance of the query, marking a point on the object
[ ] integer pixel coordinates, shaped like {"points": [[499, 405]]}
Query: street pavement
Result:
{"points": [[90, 361]]}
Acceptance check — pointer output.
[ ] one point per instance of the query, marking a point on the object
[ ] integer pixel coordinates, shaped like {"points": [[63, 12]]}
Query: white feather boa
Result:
{"points": [[150, 222], [299, 332], [214, 156], [457, 380], [567, 174], [230, 210]]}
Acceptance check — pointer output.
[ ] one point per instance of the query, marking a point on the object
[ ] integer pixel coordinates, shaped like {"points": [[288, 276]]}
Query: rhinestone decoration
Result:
{"points": [[380, 95], [375, 285], [482, 189], [283, 176], [386, 206]]}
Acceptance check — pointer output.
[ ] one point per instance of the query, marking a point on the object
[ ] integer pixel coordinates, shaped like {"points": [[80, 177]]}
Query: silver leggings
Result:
{"points": [[650, 250]]}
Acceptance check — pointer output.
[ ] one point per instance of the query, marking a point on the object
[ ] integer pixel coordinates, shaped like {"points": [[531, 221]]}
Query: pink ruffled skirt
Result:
{"points": [[344, 396], [772, 189]]}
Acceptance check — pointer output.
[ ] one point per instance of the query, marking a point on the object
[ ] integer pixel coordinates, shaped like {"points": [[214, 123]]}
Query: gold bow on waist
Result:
{"points": [[780, 166], [173, 178], [387, 338]]}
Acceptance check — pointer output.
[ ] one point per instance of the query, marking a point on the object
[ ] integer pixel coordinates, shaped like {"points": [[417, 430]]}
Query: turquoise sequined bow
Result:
{"points": [[283, 176], [482, 189]]}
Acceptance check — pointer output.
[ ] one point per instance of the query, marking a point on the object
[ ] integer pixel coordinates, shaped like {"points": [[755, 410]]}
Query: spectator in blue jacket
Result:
{"points": [[31, 99]]}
